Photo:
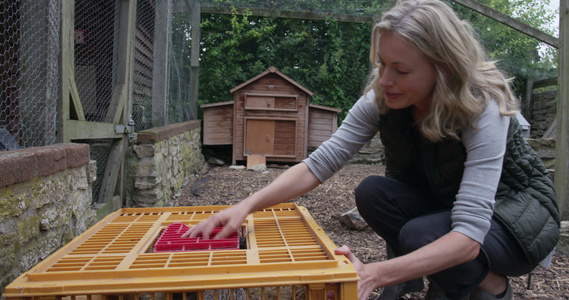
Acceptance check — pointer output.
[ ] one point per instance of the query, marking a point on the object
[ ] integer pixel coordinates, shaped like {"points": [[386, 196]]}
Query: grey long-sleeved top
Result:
{"points": [[485, 147]]}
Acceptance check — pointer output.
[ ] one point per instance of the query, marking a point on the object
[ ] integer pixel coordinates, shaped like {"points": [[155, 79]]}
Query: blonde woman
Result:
{"points": [[465, 200]]}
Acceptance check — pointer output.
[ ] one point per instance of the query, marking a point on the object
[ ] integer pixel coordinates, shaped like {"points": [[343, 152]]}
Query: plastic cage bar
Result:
{"points": [[285, 255]]}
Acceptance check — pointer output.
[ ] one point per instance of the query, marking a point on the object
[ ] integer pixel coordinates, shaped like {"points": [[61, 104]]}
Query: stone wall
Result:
{"points": [[370, 153], [543, 112], [545, 148], [162, 159], [45, 200]]}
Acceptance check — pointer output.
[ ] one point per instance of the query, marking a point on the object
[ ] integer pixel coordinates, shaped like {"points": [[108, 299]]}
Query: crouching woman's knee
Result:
{"points": [[368, 191], [413, 236]]}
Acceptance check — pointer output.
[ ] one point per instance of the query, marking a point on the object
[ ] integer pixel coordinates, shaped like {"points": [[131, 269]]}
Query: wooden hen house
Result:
{"points": [[270, 115]]}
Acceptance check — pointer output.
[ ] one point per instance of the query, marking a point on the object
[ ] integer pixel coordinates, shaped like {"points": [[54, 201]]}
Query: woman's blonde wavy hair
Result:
{"points": [[466, 79]]}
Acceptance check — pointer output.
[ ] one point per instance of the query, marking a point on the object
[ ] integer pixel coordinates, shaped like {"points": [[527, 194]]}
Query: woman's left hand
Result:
{"points": [[367, 283]]}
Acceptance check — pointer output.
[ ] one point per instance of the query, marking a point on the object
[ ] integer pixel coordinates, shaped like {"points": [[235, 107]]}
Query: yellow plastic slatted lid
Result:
{"points": [[285, 246]]}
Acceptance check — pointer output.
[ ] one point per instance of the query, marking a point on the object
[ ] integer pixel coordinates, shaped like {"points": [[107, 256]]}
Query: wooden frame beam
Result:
{"points": [[311, 15], [562, 120], [288, 14], [510, 22]]}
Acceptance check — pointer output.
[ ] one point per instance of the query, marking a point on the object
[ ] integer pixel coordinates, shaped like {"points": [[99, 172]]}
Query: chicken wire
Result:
{"points": [[161, 91], [162, 68], [181, 106], [96, 48], [30, 78], [150, 67], [96, 27], [162, 56]]}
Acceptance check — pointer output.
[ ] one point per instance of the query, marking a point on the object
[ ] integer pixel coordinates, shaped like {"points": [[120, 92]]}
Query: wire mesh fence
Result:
{"points": [[96, 35], [324, 54], [96, 58], [314, 47], [181, 106], [307, 50], [30, 80]]}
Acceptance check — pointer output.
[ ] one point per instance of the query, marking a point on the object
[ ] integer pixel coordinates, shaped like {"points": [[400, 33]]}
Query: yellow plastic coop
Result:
{"points": [[283, 254]]}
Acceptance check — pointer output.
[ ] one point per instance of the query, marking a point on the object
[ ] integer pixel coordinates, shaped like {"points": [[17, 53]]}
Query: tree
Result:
{"points": [[516, 53], [328, 57]]}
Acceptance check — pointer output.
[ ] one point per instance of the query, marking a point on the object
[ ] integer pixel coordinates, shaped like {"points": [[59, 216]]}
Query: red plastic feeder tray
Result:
{"points": [[170, 240]]}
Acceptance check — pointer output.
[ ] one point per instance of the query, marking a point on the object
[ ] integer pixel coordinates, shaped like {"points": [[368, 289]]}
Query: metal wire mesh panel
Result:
{"points": [[144, 60], [153, 19], [96, 51], [29, 44], [180, 105], [96, 46]]}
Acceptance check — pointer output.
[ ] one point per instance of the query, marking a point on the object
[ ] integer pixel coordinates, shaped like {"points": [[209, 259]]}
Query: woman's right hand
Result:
{"points": [[230, 219], [292, 183]]}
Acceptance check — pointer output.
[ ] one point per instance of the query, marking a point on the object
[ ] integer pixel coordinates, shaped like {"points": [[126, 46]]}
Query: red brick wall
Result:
{"points": [[24, 165]]}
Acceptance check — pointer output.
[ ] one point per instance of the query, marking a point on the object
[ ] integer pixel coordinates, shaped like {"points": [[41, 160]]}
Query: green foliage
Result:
{"points": [[330, 6], [516, 53], [327, 57], [330, 58]]}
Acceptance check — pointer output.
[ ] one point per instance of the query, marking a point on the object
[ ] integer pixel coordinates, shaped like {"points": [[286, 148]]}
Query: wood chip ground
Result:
{"points": [[222, 186]]}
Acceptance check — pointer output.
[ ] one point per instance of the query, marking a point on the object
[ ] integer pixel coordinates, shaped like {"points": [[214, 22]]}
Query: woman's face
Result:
{"points": [[406, 75]]}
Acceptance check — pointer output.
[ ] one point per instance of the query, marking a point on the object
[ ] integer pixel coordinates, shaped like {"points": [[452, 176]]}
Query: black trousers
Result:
{"points": [[408, 219]]}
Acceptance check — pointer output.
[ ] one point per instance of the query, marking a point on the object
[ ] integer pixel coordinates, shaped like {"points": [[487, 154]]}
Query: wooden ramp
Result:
{"points": [[256, 159]]}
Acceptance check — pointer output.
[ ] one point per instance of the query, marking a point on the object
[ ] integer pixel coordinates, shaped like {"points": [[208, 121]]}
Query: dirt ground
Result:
{"points": [[222, 186]]}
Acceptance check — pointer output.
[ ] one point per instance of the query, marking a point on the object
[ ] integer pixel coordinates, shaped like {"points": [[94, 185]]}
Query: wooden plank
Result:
{"points": [[195, 9], [324, 127], [217, 120], [212, 142], [290, 14], [220, 135], [144, 46], [255, 159], [253, 92], [260, 137], [111, 175], [285, 135], [272, 79], [116, 107], [320, 133], [320, 109], [259, 102], [219, 110], [562, 120], [510, 22], [145, 64], [84, 130], [213, 131], [76, 109], [119, 106], [279, 153], [287, 103], [66, 65], [321, 124], [219, 126], [272, 88], [218, 138], [229, 103], [289, 146]]}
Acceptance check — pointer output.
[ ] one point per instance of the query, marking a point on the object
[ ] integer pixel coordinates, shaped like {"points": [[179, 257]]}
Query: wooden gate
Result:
{"points": [[74, 124]]}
